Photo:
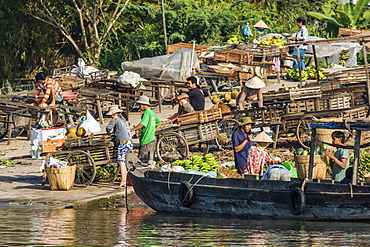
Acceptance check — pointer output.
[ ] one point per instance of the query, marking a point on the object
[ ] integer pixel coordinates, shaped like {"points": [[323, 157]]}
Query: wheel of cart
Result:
{"points": [[172, 146], [226, 129], [303, 131], [85, 167]]}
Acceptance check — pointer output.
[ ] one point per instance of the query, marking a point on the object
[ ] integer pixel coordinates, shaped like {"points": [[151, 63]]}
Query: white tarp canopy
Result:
{"points": [[176, 66], [329, 50]]}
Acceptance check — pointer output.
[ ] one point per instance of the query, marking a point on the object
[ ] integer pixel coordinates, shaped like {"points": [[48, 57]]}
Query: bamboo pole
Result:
{"points": [[367, 72], [164, 25], [316, 63], [299, 66]]}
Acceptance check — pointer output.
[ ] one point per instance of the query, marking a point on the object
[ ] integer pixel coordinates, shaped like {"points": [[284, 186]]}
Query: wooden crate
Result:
{"points": [[263, 51], [200, 116], [233, 56], [243, 76], [300, 106], [338, 101], [350, 31], [198, 48], [92, 140], [208, 131], [305, 93]]}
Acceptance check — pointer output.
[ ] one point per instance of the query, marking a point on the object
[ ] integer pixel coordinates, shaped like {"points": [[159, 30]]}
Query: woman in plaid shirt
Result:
{"points": [[52, 91]]}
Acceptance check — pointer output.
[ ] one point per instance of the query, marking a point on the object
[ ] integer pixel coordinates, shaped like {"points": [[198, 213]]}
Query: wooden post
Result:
{"points": [[367, 72], [299, 66], [312, 153], [100, 112], [357, 155], [9, 119], [316, 63]]}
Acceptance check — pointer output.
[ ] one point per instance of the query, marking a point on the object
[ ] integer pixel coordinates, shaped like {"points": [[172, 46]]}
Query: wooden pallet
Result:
{"points": [[208, 131], [305, 93], [92, 140], [200, 116]]}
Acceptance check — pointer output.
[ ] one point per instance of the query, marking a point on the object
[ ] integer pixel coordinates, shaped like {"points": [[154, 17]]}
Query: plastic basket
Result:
{"points": [[61, 178]]}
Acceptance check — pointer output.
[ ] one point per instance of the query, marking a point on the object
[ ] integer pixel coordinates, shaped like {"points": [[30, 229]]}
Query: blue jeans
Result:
{"points": [[295, 63]]}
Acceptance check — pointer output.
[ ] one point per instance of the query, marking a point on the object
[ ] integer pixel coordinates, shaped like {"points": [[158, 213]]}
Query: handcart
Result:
{"points": [[88, 153], [193, 130]]}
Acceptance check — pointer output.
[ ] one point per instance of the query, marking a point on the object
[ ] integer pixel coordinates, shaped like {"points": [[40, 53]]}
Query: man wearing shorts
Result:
{"points": [[149, 124]]}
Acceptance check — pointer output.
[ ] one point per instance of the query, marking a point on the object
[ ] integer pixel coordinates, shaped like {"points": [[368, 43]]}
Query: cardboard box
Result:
{"points": [[49, 139]]}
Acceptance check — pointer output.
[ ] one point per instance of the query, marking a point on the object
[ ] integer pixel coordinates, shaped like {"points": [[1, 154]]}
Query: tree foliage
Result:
{"points": [[107, 32]]}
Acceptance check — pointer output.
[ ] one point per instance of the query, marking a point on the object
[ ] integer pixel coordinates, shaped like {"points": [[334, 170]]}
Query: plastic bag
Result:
{"points": [[90, 124], [129, 77]]}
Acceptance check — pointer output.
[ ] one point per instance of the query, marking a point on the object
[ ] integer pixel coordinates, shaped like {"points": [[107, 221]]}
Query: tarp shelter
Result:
{"points": [[176, 66], [332, 51]]}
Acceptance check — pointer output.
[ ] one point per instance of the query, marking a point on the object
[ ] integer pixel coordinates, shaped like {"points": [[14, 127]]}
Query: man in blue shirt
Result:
{"points": [[241, 139]]}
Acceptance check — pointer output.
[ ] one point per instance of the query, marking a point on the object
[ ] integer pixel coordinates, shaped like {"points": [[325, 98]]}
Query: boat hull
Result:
{"points": [[250, 197]]}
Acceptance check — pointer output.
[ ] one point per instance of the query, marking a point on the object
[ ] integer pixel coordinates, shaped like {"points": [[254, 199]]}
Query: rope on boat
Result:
{"points": [[304, 184]]}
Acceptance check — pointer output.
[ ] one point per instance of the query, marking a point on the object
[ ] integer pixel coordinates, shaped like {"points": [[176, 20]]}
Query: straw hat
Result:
{"points": [[261, 24], [246, 120], [255, 83], [143, 100], [262, 137], [113, 109]]}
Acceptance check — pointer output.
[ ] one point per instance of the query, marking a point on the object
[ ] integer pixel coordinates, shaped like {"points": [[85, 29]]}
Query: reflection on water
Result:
{"points": [[31, 226]]}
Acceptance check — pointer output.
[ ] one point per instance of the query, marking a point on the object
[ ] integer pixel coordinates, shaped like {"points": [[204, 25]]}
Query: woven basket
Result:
{"points": [[223, 172], [61, 178], [319, 169], [367, 178]]}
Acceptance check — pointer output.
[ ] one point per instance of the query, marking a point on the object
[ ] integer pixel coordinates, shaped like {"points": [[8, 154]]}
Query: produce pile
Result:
{"points": [[307, 74], [74, 132], [317, 150], [226, 97], [344, 56], [204, 163], [273, 40]]}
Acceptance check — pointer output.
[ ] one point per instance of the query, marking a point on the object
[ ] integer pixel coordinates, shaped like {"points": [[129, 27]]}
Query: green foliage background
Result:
{"points": [[29, 45]]}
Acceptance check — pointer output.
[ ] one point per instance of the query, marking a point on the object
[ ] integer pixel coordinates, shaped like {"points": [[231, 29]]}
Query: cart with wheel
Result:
{"points": [[192, 132], [88, 154], [264, 117]]}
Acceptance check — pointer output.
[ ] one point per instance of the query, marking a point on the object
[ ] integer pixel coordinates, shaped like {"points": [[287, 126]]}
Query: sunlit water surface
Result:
{"points": [[24, 225]]}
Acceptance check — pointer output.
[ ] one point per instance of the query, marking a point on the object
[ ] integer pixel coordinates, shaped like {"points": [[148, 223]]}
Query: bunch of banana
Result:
{"points": [[344, 55], [199, 163], [234, 40], [273, 40]]}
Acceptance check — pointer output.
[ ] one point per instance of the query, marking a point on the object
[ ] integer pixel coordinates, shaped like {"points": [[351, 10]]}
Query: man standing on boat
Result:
{"points": [[149, 124], [242, 141]]}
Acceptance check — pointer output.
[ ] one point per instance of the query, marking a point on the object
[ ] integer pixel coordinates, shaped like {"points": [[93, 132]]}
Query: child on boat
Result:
{"points": [[339, 161]]}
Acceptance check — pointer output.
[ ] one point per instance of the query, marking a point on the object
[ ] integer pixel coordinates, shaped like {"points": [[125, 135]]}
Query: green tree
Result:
{"points": [[347, 15]]}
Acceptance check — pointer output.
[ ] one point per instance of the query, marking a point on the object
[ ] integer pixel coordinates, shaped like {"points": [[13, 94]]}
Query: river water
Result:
{"points": [[30, 225]]}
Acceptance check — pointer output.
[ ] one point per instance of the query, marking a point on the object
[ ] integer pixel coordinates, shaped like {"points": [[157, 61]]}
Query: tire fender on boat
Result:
{"points": [[297, 201], [186, 194]]}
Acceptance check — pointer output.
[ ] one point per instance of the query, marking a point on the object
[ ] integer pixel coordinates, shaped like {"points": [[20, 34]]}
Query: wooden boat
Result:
{"points": [[187, 194]]}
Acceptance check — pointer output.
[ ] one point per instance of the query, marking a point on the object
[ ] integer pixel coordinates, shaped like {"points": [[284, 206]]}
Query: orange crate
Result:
{"points": [[198, 48]]}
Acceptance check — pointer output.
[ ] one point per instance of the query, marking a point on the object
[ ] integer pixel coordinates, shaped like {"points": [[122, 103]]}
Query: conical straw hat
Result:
{"points": [[261, 24], [255, 83], [262, 137]]}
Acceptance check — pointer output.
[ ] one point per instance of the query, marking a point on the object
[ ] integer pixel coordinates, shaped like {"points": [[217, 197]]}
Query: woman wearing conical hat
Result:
{"points": [[258, 155], [251, 89]]}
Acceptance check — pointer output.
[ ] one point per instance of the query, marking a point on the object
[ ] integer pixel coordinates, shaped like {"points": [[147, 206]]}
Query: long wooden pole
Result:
{"points": [[367, 72], [316, 63], [164, 24], [299, 66]]}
